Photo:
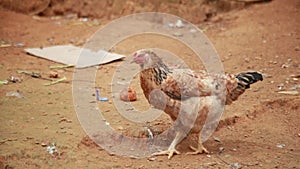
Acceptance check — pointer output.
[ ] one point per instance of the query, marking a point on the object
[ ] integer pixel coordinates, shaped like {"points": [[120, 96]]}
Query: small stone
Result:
{"points": [[217, 139], [179, 24], [280, 86], [43, 144], [295, 87], [120, 128], [266, 75], [177, 34], [53, 74], [221, 149], [247, 60], [285, 65], [280, 145], [152, 159], [236, 166]]}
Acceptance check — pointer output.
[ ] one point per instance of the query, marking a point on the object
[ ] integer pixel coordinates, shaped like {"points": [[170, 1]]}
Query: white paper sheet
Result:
{"points": [[72, 55]]}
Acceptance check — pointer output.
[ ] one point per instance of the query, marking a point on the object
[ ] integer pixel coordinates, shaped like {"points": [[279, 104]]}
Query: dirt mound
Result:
{"points": [[194, 11]]}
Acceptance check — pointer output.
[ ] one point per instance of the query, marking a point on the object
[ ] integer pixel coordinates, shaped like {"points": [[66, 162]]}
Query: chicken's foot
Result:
{"points": [[171, 150], [199, 150]]}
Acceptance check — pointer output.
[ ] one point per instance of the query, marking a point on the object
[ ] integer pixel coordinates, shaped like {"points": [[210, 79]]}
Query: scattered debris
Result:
{"points": [[53, 74], [266, 75], [295, 87], [192, 30], [38, 75], [101, 99], [7, 139], [217, 139], [170, 25], [235, 166], [294, 92], [295, 76], [65, 120], [221, 149], [4, 43], [15, 94], [14, 79], [152, 159], [55, 81], [61, 66], [286, 65], [32, 74], [123, 83], [179, 24], [177, 34], [210, 164], [128, 94], [3, 82], [281, 145], [280, 86], [43, 144], [150, 134], [51, 149], [19, 44]]}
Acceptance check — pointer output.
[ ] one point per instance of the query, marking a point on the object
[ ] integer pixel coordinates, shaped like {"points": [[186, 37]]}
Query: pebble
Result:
{"points": [[280, 86], [236, 165], [221, 149], [295, 87], [43, 144], [217, 139], [266, 75], [179, 24], [177, 34], [280, 145], [285, 65], [152, 159]]}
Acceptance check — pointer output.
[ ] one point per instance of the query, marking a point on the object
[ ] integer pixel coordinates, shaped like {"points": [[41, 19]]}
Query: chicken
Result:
{"points": [[187, 96]]}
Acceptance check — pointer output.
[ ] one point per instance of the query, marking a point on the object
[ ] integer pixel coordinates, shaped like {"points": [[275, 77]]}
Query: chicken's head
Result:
{"points": [[141, 56], [146, 59]]}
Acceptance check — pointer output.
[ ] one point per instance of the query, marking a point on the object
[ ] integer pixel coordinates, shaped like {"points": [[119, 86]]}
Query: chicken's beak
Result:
{"points": [[133, 58], [133, 61]]}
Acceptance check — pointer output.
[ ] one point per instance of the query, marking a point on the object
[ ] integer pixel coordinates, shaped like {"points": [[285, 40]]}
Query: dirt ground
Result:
{"points": [[260, 130]]}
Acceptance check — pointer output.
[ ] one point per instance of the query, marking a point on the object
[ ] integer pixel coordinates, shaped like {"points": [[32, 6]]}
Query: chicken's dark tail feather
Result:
{"points": [[245, 80]]}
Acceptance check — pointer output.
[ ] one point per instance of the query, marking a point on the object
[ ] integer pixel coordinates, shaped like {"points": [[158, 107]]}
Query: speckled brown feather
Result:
{"points": [[178, 84]]}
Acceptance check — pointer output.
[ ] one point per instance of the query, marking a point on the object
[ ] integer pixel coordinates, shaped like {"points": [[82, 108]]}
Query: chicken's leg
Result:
{"points": [[200, 149], [172, 148]]}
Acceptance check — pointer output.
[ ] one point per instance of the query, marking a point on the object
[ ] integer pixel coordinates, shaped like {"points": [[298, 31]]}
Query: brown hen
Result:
{"points": [[188, 96]]}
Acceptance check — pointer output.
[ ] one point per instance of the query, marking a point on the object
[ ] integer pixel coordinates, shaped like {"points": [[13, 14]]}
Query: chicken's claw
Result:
{"points": [[198, 150], [170, 153]]}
